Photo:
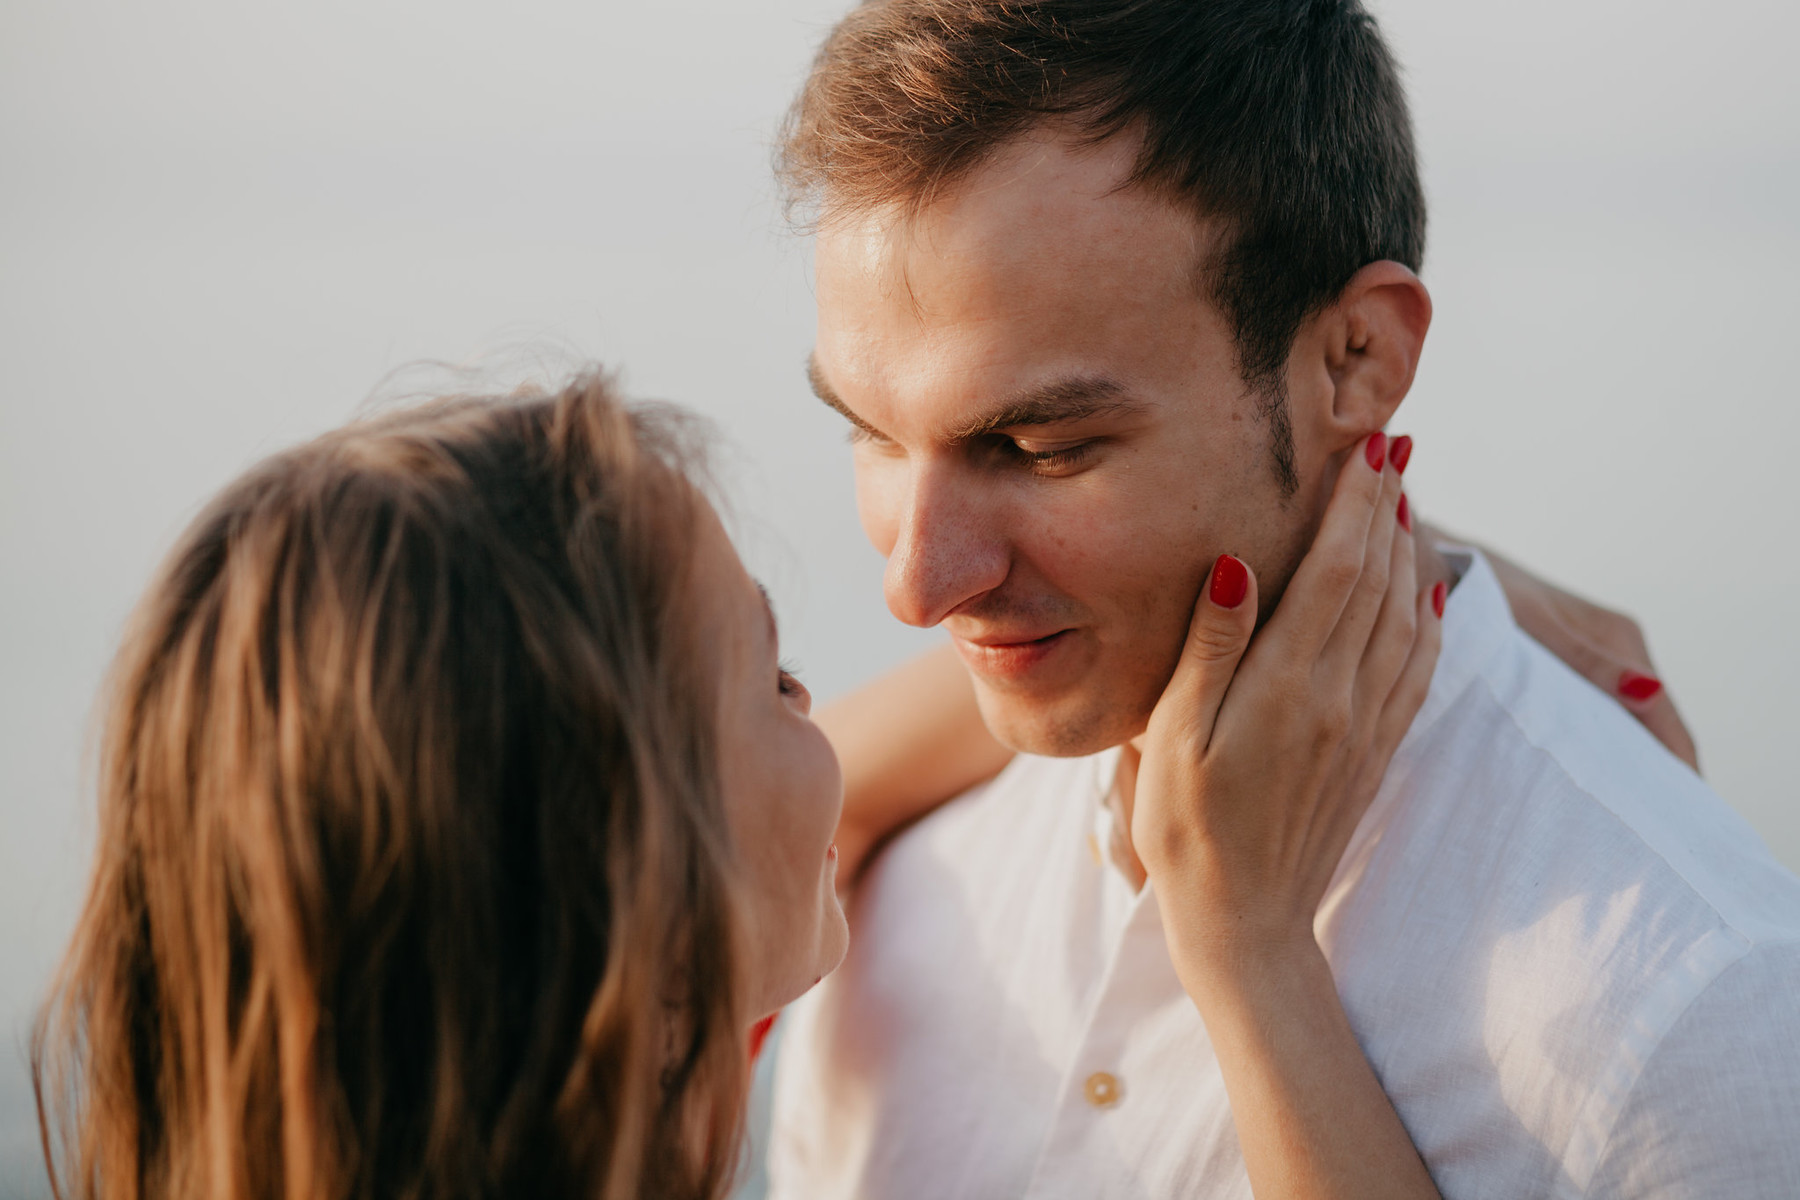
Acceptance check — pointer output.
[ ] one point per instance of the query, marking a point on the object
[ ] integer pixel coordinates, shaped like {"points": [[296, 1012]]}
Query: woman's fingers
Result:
{"points": [[1622, 671], [1406, 696], [1391, 640], [1174, 803], [1224, 619], [1365, 769], [1347, 648], [1388, 687], [1321, 588], [1658, 714], [1606, 647]]}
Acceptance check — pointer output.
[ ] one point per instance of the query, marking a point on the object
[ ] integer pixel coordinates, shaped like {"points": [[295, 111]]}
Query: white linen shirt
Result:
{"points": [[1575, 970]]}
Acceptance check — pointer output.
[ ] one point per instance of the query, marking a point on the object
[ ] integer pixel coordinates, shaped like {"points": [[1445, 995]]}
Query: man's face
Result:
{"points": [[1053, 440]]}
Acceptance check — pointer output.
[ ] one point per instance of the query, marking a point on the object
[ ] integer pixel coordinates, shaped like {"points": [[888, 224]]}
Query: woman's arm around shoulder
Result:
{"points": [[908, 742]]}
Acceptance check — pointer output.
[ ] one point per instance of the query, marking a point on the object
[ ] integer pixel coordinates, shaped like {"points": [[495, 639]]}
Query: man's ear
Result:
{"points": [[1355, 361]]}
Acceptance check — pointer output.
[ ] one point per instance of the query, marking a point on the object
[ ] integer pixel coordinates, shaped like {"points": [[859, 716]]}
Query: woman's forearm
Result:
{"points": [[1312, 1119], [908, 742]]}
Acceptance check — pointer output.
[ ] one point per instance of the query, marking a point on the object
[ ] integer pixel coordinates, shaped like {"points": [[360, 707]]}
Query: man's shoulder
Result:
{"points": [[1526, 769], [1538, 805], [1544, 893], [1715, 1107], [1556, 758]]}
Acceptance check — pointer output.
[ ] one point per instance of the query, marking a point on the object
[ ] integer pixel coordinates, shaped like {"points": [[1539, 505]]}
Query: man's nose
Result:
{"points": [[948, 547]]}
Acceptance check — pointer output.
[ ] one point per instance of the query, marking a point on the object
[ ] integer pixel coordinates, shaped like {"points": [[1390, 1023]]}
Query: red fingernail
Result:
{"points": [[1400, 452], [1634, 685], [759, 1033], [1401, 514], [1376, 450], [1230, 580], [1439, 593]]}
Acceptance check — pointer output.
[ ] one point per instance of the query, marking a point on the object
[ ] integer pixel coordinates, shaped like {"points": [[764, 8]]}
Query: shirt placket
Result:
{"points": [[1097, 1092]]}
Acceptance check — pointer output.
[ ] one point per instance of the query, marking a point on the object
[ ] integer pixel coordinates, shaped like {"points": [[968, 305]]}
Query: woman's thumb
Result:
{"points": [[1224, 619]]}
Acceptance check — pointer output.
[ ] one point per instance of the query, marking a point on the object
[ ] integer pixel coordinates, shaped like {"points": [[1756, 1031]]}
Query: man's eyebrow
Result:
{"points": [[1074, 398], [823, 391]]}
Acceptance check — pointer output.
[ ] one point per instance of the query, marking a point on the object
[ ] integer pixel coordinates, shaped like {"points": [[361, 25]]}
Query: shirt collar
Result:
{"points": [[1477, 624]]}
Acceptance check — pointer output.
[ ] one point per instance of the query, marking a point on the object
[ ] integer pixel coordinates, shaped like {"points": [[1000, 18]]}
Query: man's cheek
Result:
{"points": [[1082, 522], [1126, 541]]}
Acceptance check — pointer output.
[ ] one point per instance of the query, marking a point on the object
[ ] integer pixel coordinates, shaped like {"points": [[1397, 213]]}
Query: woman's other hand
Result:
{"points": [[1605, 647]]}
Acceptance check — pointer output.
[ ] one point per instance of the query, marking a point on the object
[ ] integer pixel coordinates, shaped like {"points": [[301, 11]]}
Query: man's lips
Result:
{"points": [[1022, 638], [1009, 654]]}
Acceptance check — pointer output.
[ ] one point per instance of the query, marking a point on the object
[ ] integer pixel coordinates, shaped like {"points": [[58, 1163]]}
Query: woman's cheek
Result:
{"points": [[831, 781]]}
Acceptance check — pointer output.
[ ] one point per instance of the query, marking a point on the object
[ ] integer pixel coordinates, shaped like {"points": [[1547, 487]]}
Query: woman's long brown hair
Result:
{"points": [[412, 879]]}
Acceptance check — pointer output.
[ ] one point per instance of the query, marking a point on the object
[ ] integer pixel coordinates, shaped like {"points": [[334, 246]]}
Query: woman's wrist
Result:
{"points": [[1235, 966], [1310, 1113]]}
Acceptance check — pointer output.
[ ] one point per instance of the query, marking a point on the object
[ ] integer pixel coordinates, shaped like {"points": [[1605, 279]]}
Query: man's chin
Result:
{"points": [[1066, 728]]}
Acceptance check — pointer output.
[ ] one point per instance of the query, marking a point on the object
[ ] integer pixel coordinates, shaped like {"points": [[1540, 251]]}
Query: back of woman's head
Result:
{"points": [[411, 877]]}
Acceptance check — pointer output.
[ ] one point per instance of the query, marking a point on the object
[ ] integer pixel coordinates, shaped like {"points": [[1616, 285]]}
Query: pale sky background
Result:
{"points": [[221, 224]]}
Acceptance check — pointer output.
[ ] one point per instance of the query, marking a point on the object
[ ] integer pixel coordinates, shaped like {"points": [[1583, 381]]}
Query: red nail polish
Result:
{"points": [[1402, 515], [759, 1033], [1230, 580], [1634, 685], [1439, 593], [1376, 450], [1400, 452]]}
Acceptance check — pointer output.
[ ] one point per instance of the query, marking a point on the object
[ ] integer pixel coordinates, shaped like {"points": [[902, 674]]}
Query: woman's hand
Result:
{"points": [[1257, 764], [1255, 773]]}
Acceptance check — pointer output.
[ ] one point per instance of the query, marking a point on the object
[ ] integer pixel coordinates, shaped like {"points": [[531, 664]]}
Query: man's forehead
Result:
{"points": [[1039, 290], [1004, 304], [1044, 200]]}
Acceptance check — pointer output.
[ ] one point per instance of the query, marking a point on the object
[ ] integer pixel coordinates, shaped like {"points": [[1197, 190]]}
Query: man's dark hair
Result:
{"points": [[1283, 118]]}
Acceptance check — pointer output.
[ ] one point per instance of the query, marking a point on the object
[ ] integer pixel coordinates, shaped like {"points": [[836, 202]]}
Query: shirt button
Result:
{"points": [[1103, 1090]]}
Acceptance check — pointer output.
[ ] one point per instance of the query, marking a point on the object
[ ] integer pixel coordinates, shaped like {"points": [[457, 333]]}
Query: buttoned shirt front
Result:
{"points": [[1574, 969]]}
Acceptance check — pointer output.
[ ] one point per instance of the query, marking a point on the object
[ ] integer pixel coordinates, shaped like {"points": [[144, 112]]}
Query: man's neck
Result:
{"points": [[1118, 800], [1433, 569]]}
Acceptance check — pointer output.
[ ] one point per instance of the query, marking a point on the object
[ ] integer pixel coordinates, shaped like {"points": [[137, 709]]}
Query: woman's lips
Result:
{"points": [[1010, 660]]}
